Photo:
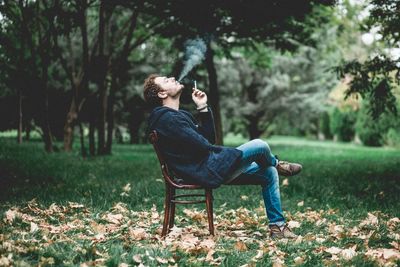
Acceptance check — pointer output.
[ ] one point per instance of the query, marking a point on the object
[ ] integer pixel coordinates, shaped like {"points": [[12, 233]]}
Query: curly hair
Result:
{"points": [[151, 90]]}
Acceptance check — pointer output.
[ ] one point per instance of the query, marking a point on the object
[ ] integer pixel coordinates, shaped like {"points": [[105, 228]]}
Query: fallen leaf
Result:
{"points": [[207, 243], [333, 250], [10, 216], [138, 233], [370, 220], [278, 263], [210, 254], [298, 260], [293, 224], [137, 258], [127, 188], [240, 246], [260, 254], [348, 253], [74, 205], [114, 218], [300, 204], [389, 253], [161, 260], [285, 182], [34, 227]]}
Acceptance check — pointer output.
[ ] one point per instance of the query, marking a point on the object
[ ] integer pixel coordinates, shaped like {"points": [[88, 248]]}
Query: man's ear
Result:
{"points": [[162, 94]]}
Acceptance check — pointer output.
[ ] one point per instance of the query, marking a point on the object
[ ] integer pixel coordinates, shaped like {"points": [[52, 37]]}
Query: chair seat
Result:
{"points": [[237, 181], [244, 181]]}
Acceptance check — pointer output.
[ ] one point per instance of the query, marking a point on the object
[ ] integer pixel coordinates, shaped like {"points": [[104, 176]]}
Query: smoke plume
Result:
{"points": [[195, 50]]}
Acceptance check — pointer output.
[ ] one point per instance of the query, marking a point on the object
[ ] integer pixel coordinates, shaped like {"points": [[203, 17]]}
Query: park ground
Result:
{"points": [[61, 210]]}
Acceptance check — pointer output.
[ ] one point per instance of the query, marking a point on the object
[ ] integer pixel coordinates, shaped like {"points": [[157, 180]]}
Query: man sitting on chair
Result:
{"points": [[190, 154]]}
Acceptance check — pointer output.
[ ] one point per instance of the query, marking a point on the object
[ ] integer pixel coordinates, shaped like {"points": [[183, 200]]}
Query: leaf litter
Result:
{"points": [[33, 228]]}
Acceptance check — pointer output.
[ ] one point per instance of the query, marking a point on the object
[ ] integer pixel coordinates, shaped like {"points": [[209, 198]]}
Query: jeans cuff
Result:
{"points": [[279, 224]]}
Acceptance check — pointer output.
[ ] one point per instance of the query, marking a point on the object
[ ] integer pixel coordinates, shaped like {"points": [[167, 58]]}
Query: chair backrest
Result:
{"points": [[153, 137]]}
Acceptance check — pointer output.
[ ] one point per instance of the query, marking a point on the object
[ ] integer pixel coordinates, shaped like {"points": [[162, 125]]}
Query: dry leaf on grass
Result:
{"points": [[34, 227], [138, 233], [114, 218], [137, 258], [300, 204], [10, 215], [333, 250], [370, 220], [294, 224], [241, 246], [298, 260]]}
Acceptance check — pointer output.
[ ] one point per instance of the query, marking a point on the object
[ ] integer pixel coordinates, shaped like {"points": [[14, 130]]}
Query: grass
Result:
{"points": [[349, 179]]}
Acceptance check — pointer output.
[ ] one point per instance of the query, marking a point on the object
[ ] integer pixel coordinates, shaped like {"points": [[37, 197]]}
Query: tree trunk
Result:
{"points": [[92, 128], [19, 135], [214, 94], [134, 135], [102, 74], [82, 139], [253, 130], [28, 128], [69, 125], [78, 82], [110, 114]]}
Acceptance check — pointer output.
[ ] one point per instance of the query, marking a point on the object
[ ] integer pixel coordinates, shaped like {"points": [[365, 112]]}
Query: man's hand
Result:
{"points": [[199, 98]]}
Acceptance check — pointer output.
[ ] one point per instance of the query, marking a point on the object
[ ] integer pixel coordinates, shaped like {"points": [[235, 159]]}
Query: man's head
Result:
{"points": [[159, 88]]}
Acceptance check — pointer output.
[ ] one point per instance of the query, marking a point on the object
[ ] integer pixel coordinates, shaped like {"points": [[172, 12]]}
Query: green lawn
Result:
{"points": [[339, 186]]}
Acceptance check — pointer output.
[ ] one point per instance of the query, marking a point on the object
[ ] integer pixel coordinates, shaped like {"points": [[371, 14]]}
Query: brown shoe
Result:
{"points": [[288, 169], [284, 231]]}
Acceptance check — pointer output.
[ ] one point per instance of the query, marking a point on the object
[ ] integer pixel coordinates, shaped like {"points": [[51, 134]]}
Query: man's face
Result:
{"points": [[169, 86]]}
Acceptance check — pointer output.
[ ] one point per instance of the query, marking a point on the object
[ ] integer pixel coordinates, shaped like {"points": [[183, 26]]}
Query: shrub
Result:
{"points": [[324, 126], [368, 129], [392, 137], [342, 124]]}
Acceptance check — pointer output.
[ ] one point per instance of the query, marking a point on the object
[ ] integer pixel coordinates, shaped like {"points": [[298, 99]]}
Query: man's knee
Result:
{"points": [[261, 144]]}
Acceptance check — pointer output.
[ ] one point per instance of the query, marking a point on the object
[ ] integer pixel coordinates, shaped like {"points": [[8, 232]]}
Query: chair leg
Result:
{"points": [[172, 210], [167, 205], [209, 206]]}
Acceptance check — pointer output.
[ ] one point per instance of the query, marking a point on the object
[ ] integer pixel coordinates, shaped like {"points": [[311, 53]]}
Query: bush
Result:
{"points": [[368, 129], [324, 127], [392, 137], [382, 131], [342, 124]]}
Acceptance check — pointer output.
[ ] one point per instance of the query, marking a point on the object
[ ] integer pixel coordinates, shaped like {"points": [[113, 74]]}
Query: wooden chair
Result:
{"points": [[172, 184]]}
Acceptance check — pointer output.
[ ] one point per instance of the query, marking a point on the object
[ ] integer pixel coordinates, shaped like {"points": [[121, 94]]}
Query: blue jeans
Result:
{"points": [[258, 161]]}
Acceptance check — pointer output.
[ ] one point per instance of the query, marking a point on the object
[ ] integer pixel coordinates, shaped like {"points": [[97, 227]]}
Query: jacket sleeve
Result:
{"points": [[178, 128], [207, 127]]}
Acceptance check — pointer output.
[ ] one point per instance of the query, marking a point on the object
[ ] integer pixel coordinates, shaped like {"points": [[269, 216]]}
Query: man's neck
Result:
{"points": [[172, 104]]}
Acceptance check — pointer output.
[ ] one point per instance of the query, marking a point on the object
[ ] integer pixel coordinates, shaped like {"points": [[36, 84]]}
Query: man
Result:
{"points": [[190, 154]]}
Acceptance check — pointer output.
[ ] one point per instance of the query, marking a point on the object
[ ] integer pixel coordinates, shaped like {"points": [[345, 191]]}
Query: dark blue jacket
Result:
{"points": [[188, 147]]}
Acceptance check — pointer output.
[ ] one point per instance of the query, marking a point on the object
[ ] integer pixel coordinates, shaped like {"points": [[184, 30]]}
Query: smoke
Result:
{"points": [[195, 50]]}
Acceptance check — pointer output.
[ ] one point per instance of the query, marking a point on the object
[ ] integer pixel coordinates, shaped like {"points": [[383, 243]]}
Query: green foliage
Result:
{"points": [[392, 137], [324, 125], [376, 77], [377, 132], [368, 130], [342, 124]]}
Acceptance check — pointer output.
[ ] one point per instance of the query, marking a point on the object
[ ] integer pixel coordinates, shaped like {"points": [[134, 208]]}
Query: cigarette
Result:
{"points": [[195, 84]]}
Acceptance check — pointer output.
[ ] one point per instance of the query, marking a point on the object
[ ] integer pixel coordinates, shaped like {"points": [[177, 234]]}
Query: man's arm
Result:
{"points": [[207, 126]]}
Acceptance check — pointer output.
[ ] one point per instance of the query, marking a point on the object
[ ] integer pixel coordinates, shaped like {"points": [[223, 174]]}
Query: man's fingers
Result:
{"points": [[197, 92]]}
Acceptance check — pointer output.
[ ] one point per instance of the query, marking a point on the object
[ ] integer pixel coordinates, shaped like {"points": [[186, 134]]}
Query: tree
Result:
{"points": [[27, 25], [376, 77], [224, 21]]}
